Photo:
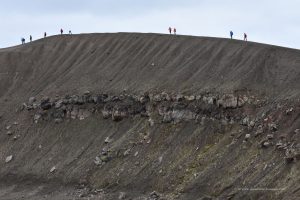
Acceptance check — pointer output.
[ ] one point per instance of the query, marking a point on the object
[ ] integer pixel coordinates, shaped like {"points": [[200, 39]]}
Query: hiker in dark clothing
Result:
{"points": [[231, 34], [61, 31], [170, 30], [23, 40], [70, 32], [45, 34], [175, 31], [245, 37], [30, 38]]}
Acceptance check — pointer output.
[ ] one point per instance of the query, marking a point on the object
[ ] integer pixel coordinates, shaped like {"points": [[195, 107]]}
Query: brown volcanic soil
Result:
{"points": [[185, 160]]}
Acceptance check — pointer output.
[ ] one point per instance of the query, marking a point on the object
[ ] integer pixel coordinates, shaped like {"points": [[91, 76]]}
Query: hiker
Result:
{"points": [[23, 40], [30, 38], [170, 30], [245, 37], [45, 34], [174, 31], [61, 31], [231, 34], [70, 32]]}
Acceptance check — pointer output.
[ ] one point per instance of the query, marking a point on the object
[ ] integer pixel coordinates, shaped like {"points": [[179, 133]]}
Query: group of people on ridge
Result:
{"points": [[45, 35], [245, 36], [174, 30]]}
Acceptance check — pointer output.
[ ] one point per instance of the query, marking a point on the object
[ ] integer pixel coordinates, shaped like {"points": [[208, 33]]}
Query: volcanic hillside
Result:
{"points": [[149, 116]]}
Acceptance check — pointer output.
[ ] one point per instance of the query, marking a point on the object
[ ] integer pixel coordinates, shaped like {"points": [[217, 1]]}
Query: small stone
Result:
{"points": [[8, 127], [247, 136], [245, 121], [127, 152], [270, 136], [265, 144], [154, 195], [136, 154], [252, 123], [297, 131], [273, 127], [104, 158], [289, 111], [53, 169], [190, 98], [151, 122], [97, 161], [160, 159], [122, 195], [107, 140], [87, 92], [58, 120], [58, 104], [16, 123], [37, 117], [9, 133], [31, 100], [8, 159]]}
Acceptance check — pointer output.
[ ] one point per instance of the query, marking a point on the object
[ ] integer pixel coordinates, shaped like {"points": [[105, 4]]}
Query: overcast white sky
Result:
{"points": [[268, 21]]}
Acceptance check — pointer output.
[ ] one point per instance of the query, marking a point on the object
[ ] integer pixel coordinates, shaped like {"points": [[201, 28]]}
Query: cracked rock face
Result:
{"points": [[166, 136]]}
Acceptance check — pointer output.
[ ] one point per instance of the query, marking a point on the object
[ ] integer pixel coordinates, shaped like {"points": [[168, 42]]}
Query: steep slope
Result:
{"points": [[188, 117]]}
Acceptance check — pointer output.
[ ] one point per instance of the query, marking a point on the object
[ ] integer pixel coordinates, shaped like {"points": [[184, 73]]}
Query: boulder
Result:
{"points": [[58, 120], [270, 136], [106, 114], [154, 196], [273, 127], [107, 140], [58, 104], [9, 133], [97, 161], [289, 111], [265, 144], [228, 101], [45, 103], [122, 195], [8, 159], [247, 136], [37, 117], [118, 115], [53, 169], [31, 100]]}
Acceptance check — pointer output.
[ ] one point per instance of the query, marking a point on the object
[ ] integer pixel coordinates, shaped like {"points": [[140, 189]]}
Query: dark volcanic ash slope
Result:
{"points": [[131, 113]]}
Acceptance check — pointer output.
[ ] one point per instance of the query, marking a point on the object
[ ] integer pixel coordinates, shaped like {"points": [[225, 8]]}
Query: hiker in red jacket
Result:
{"points": [[170, 30], [174, 31], [61, 31], [245, 37]]}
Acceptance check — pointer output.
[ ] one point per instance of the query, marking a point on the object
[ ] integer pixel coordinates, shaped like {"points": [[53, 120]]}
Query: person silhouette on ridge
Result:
{"points": [[170, 30], [231, 34], [61, 31], [245, 37]]}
